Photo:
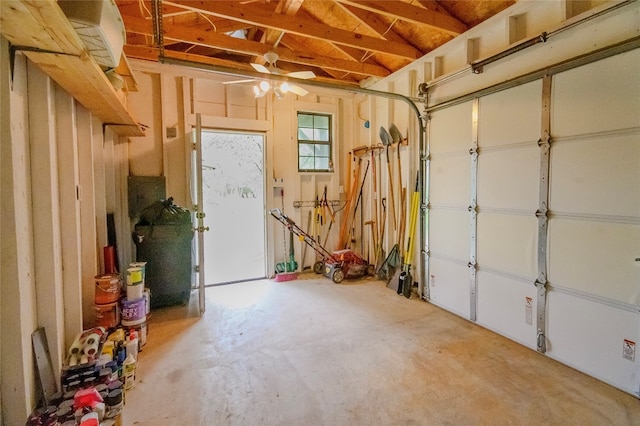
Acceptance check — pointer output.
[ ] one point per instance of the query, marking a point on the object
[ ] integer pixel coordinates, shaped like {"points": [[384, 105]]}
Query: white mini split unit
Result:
{"points": [[100, 26]]}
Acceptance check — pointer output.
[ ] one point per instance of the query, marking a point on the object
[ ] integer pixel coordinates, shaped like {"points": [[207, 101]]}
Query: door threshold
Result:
{"points": [[235, 282]]}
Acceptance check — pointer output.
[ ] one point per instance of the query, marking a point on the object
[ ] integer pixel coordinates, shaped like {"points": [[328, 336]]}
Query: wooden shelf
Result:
{"points": [[40, 25]]}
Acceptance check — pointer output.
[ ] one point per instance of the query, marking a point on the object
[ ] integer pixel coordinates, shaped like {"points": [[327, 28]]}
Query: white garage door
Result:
{"points": [[508, 186], [449, 189], [594, 229], [592, 317]]}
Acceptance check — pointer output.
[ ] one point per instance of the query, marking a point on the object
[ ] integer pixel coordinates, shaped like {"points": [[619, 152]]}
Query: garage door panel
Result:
{"points": [[590, 336], [597, 176], [508, 243], [588, 99], [450, 130], [449, 233], [449, 286], [450, 181], [508, 306], [515, 172], [511, 116], [596, 258]]}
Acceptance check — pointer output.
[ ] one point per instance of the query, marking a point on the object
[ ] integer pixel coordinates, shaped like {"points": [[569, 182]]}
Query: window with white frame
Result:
{"points": [[314, 142]]}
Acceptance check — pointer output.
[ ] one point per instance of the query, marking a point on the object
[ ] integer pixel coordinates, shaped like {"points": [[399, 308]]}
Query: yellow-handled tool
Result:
{"points": [[406, 280]]}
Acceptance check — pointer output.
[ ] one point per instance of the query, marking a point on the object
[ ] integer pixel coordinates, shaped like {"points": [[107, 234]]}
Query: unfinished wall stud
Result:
{"points": [[517, 28], [473, 49], [438, 65]]}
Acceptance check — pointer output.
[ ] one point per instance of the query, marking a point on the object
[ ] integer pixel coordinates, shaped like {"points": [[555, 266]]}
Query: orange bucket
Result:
{"points": [[107, 288], [107, 315]]}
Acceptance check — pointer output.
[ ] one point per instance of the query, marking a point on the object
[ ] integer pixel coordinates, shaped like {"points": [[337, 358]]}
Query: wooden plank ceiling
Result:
{"points": [[341, 41]]}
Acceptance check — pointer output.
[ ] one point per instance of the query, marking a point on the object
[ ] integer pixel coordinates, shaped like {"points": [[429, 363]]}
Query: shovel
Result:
{"points": [[405, 281], [387, 141]]}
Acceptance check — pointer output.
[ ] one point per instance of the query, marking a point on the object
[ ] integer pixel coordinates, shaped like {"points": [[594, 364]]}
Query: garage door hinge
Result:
{"points": [[545, 140], [543, 212]]}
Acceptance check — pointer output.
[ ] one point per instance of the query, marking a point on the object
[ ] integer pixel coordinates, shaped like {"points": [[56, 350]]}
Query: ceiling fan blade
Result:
{"points": [[302, 74], [260, 68], [239, 81], [293, 88]]}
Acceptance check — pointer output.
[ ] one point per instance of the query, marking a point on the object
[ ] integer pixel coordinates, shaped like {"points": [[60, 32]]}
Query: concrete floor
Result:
{"points": [[310, 352]]}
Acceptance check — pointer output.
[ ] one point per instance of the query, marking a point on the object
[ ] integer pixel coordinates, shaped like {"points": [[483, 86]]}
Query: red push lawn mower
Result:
{"points": [[336, 266]]}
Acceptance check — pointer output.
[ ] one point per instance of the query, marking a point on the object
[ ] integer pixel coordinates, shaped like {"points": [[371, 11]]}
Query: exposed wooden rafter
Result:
{"points": [[341, 40], [201, 37], [417, 15], [294, 25]]}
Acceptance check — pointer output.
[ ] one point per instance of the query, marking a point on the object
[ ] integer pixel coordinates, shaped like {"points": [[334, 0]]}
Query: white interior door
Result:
{"points": [[196, 197], [234, 198]]}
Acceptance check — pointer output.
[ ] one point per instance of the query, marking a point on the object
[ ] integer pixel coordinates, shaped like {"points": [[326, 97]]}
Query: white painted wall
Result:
{"points": [[18, 298], [52, 239], [179, 93]]}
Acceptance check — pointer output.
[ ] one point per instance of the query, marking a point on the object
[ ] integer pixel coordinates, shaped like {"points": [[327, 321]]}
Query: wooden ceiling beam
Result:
{"points": [[247, 47], [285, 7], [435, 6], [152, 53], [413, 14], [292, 43], [372, 21], [349, 52], [294, 25]]}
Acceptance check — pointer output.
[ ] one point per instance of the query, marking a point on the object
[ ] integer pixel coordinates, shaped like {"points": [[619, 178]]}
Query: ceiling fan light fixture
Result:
{"points": [[271, 57], [265, 86], [258, 92], [284, 87], [278, 92]]}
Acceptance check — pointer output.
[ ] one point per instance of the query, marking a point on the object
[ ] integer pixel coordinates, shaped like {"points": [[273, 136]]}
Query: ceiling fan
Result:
{"points": [[278, 88]]}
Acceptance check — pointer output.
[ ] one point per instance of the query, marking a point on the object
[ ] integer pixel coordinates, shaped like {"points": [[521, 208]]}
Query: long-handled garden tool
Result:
{"points": [[374, 208], [387, 141], [347, 210], [353, 221], [380, 255], [286, 271], [387, 269], [325, 204], [304, 247], [405, 281]]}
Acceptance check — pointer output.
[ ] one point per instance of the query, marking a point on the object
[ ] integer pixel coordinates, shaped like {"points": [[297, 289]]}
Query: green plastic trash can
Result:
{"points": [[164, 242]]}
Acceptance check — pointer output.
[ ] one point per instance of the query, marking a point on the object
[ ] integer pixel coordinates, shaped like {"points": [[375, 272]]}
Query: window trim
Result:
{"points": [[331, 118]]}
